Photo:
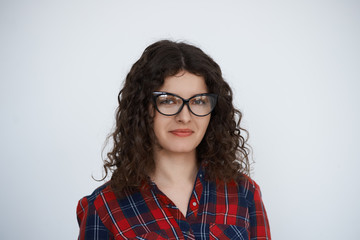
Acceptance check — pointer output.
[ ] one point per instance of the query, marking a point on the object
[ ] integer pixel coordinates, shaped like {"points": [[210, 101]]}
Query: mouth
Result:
{"points": [[182, 132]]}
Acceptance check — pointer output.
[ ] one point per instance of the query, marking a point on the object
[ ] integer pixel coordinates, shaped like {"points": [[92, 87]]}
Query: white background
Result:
{"points": [[294, 67]]}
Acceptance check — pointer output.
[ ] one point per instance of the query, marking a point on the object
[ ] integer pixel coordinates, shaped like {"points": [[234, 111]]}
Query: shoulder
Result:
{"points": [[242, 186], [88, 201], [247, 183], [89, 219], [259, 223], [108, 213], [248, 188], [104, 200]]}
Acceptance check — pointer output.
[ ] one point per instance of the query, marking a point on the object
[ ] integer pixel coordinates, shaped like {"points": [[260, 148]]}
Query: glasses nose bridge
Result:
{"points": [[184, 102]]}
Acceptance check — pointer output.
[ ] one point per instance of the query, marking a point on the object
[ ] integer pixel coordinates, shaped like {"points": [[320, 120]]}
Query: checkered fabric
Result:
{"points": [[216, 211]]}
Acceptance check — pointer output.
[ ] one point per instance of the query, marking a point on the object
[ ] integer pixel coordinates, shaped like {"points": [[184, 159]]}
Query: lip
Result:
{"points": [[185, 132]]}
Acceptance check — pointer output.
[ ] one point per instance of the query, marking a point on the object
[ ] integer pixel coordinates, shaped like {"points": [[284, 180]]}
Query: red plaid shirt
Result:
{"points": [[216, 211]]}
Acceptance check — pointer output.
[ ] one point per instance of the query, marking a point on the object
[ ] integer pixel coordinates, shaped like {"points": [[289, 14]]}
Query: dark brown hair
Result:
{"points": [[223, 150]]}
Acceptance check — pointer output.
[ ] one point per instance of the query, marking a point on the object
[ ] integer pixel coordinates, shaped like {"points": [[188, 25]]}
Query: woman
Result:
{"points": [[179, 162]]}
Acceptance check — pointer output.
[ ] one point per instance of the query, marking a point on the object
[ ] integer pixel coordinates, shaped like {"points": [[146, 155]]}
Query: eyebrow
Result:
{"points": [[170, 93]]}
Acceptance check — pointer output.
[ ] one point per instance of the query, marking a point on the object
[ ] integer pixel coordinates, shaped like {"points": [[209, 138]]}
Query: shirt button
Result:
{"points": [[194, 204]]}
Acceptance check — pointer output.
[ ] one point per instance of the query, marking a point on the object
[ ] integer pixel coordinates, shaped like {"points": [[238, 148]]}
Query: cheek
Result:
{"points": [[204, 123], [207, 121], [159, 124]]}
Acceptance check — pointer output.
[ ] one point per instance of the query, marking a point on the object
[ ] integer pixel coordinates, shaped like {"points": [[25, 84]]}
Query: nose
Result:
{"points": [[184, 115]]}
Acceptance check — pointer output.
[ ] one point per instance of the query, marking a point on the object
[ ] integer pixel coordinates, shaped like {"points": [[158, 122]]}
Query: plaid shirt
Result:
{"points": [[216, 211]]}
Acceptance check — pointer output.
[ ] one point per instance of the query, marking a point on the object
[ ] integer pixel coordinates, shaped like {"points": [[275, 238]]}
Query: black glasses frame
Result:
{"points": [[184, 102]]}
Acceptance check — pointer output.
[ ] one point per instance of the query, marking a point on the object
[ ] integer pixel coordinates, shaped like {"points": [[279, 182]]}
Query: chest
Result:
{"points": [[178, 196], [213, 214]]}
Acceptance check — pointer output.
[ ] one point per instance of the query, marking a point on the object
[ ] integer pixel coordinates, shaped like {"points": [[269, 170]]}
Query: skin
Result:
{"points": [[178, 136]]}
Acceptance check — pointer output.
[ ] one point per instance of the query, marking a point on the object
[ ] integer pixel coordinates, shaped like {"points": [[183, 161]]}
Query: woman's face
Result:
{"points": [[183, 132]]}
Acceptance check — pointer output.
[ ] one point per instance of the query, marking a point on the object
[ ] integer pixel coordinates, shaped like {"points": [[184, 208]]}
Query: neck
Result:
{"points": [[175, 168]]}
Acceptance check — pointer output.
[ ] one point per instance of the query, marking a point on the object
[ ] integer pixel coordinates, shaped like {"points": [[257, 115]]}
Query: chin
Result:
{"points": [[180, 149]]}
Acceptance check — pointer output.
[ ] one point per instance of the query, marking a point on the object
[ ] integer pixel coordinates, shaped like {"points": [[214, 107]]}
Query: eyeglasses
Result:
{"points": [[170, 104]]}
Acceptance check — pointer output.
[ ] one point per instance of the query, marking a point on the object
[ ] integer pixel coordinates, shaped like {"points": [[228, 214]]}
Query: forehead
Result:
{"points": [[184, 84]]}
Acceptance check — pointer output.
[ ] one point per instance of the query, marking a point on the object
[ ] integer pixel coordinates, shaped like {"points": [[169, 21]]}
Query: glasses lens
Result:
{"points": [[168, 104], [202, 105]]}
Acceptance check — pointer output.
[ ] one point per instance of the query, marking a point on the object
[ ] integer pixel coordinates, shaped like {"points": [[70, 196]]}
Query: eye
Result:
{"points": [[166, 100], [201, 100]]}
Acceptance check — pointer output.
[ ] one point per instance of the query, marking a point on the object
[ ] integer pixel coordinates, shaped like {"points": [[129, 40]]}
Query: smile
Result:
{"points": [[182, 132]]}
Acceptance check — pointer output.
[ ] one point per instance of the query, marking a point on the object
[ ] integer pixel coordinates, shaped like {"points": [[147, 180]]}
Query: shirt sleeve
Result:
{"points": [[259, 224], [90, 224]]}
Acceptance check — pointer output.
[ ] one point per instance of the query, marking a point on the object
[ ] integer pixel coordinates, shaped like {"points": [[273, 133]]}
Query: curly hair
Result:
{"points": [[223, 151]]}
